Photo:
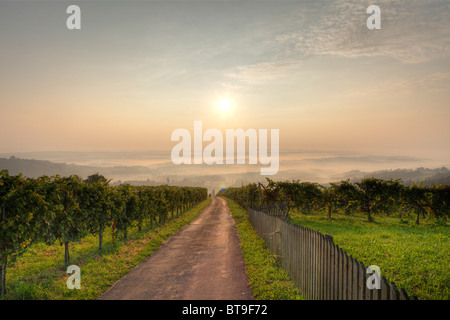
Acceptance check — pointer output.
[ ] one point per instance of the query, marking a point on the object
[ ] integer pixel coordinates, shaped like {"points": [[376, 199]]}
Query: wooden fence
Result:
{"points": [[321, 270]]}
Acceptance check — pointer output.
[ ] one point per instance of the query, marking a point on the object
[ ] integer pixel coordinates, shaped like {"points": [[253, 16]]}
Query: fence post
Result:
{"points": [[349, 277], [308, 263], [295, 257], [311, 264], [369, 292], [317, 265], [328, 243], [304, 259], [384, 289], [403, 294], [355, 295], [339, 274], [394, 293], [314, 264], [336, 272], [303, 255], [362, 282], [286, 255], [344, 275], [332, 270], [322, 267], [376, 293], [277, 237]]}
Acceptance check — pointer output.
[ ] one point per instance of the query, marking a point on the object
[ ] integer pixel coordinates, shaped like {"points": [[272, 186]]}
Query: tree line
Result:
{"points": [[371, 196], [65, 209]]}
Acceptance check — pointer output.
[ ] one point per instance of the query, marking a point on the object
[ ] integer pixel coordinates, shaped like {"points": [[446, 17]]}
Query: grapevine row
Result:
{"points": [[371, 196], [65, 209]]}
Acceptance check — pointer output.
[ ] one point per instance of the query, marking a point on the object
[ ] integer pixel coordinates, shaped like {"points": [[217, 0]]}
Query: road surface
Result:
{"points": [[201, 262]]}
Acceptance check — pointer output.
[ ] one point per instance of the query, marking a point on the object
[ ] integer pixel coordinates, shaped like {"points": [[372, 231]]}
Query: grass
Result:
{"points": [[415, 257], [267, 279], [39, 273]]}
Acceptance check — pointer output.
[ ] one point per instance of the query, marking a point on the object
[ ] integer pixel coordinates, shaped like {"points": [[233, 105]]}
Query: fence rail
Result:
{"points": [[321, 270]]}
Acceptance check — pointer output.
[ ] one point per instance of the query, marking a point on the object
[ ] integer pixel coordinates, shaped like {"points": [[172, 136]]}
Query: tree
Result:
{"points": [[440, 201], [161, 203], [329, 198], [309, 194], [346, 196], [419, 198], [126, 208], [370, 195], [392, 191], [96, 178], [96, 201], [22, 215], [69, 223]]}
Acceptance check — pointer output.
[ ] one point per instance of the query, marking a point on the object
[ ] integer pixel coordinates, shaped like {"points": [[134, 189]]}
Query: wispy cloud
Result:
{"points": [[434, 82], [263, 72], [411, 31]]}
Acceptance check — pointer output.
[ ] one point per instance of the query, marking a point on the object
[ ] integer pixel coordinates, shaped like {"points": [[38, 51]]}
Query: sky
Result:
{"points": [[138, 70]]}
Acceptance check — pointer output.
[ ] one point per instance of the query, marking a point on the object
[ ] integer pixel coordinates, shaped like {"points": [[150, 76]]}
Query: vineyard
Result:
{"points": [[401, 229], [370, 196], [65, 209]]}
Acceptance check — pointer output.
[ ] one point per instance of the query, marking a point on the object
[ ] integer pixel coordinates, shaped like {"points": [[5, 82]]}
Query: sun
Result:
{"points": [[225, 105]]}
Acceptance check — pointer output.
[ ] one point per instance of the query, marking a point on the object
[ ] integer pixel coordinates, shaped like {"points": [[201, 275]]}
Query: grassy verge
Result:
{"points": [[268, 280], [39, 273], [415, 257]]}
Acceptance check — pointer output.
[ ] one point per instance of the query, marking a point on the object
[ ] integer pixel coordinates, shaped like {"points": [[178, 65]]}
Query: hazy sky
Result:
{"points": [[138, 70]]}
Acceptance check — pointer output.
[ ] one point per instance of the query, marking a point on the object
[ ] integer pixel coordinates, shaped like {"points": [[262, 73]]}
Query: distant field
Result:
{"points": [[415, 257]]}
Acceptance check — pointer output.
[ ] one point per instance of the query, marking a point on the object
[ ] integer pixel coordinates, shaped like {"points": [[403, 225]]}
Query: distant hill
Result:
{"points": [[36, 168], [408, 176], [206, 176], [438, 179]]}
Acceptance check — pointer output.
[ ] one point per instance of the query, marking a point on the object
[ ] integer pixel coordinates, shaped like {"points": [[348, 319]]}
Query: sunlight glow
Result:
{"points": [[225, 105]]}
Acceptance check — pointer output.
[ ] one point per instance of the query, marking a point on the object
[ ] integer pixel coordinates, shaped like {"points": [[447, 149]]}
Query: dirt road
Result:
{"points": [[201, 262]]}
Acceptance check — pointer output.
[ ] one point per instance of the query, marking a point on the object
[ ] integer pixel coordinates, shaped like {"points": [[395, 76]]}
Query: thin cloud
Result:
{"points": [[434, 82], [413, 31], [263, 72]]}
